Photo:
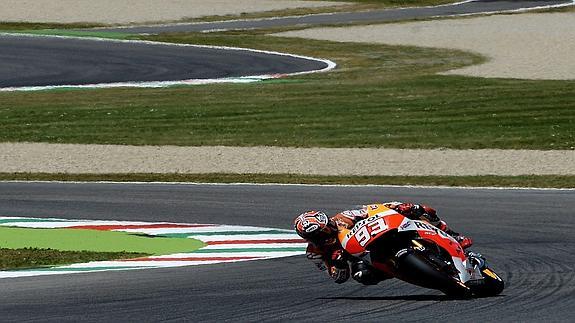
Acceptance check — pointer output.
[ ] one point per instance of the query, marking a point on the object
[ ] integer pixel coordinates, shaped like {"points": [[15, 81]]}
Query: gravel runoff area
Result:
{"points": [[98, 159], [525, 46], [137, 11]]}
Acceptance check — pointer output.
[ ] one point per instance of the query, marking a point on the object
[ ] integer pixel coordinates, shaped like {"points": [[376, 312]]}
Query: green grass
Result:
{"points": [[380, 96], [73, 33], [11, 259], [58, 30], [541, 181], [32, 248], [93, 240], [11, 26]]}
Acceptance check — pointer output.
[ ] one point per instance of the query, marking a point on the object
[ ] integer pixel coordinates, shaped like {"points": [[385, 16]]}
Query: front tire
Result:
{"points": [[492, 284], [417, 270]]}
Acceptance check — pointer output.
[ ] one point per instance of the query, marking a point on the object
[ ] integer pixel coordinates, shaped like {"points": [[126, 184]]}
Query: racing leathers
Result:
{"points": [[331, 256]]}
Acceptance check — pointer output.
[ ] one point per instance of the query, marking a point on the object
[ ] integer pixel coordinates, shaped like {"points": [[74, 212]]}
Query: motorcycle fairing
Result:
{"points": [[364, 232], [381, 220], [445, 241]]}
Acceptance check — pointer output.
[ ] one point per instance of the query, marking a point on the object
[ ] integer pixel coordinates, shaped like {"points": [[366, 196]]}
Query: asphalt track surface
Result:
{"points": [[43, 61], [50, 61], [527, 236]]}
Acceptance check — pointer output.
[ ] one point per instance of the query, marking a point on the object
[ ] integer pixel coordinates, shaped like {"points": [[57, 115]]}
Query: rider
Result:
{"points": [[326, 252]]}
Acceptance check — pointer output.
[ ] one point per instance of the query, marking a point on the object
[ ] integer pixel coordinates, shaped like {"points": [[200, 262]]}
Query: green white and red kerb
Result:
{"points": [[223, 243]]}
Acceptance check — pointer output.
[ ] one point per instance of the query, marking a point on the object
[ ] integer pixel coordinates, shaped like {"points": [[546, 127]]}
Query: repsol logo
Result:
{"points": [[360, 224], [427, 226]]}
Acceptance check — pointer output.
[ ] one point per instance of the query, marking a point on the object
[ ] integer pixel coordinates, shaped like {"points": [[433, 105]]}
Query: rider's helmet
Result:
{"points": [[316, 227]]}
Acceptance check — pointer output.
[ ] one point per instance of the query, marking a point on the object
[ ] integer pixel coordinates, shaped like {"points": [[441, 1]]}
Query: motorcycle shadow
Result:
{"points": [[394, 298]]}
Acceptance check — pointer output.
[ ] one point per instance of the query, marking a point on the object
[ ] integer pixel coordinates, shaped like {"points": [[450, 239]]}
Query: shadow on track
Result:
{"points": [[439, 298], [393, 298]]}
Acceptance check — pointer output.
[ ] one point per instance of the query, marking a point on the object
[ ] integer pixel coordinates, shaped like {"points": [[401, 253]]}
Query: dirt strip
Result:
{"points": [[138, 11], [526, 46], [98, 159]]}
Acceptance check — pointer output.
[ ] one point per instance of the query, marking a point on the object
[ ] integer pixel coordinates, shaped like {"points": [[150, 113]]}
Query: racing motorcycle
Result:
{"points": [[418, 253]]}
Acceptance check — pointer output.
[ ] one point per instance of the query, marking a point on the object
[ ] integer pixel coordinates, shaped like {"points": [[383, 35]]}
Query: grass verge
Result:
{"points": [[534, 181], [32, 248], [26, 258], [380, 96], [25, 26], [71, 30], [346, 6], [72, 33], [93, 240]]}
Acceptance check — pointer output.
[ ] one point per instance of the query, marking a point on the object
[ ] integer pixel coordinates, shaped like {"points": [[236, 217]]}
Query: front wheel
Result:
{"points": [[491, 285], [416, 269]]}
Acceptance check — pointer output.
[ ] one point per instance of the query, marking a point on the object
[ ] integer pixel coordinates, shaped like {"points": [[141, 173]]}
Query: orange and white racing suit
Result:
{"points": [[332, 257]]}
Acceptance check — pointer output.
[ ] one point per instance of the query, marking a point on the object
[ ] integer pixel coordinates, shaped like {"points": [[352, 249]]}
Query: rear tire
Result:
{"points": [[417, 270]]}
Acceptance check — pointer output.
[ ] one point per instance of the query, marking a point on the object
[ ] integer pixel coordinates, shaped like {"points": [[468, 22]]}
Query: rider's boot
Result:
{"points": [[478, 262], [476, 259]]}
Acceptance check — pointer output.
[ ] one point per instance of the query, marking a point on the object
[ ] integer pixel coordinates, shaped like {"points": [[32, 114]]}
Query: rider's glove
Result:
{"points": [[338, 259], [339, 275], [339, 268], [430, 214], [405, 209], [414, 211]]}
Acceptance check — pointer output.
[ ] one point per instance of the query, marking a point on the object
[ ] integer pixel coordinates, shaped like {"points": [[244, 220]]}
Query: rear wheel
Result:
{"points": [[416, 269]]}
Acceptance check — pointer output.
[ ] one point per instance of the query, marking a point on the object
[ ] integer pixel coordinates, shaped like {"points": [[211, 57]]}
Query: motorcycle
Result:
{"points": [[418, 253]]}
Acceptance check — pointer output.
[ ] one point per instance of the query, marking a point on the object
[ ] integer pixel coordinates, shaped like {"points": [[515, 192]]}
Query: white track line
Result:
{"points": [[303, 185]]}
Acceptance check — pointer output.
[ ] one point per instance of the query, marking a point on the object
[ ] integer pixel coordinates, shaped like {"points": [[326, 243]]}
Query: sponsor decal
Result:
{"points": [[405, 225], [400, 253], [353, 214], [365, 229], [491, 274], [310, 227], [430, 228]]}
